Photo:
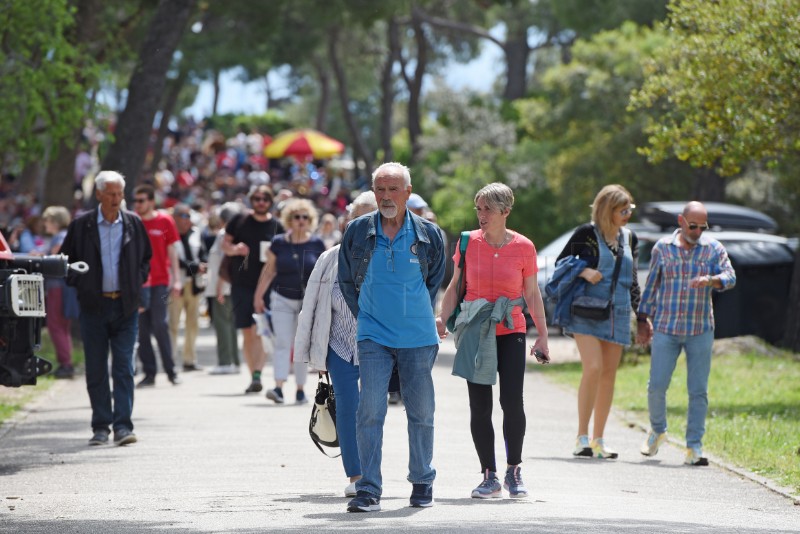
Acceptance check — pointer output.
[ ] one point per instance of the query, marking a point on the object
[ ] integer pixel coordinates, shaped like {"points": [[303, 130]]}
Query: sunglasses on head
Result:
{"points": [[694, 226], [300, 216]]}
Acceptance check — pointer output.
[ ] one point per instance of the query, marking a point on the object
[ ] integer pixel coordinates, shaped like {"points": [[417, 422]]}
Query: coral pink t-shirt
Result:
{"points": [[492, 273]]}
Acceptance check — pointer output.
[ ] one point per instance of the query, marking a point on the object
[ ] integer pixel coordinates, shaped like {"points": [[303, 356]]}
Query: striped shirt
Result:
{"points": [[343, 327], [676, 308]]}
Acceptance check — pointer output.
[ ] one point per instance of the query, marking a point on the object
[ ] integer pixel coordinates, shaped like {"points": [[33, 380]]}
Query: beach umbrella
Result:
{"points": [[303, 143]]}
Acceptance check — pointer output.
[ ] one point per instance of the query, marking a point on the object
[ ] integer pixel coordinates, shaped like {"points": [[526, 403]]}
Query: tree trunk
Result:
{"points": [[708, 186], [791, 337], [171, 100], [217, 90], [360, 148], [60, 180], [323, 109], [517, 51], [127, 154], [415, 87], [387, 89]]}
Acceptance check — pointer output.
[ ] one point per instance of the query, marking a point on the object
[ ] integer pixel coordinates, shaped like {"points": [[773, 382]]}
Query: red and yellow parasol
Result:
{"points": [[303, 143]]}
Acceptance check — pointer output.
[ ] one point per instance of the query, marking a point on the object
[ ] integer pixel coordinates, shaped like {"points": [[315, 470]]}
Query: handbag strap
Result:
{"points": [[462, 246]]}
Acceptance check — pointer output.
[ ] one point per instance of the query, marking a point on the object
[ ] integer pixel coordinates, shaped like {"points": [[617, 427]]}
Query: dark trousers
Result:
{"points": [[511, 373], [104, 329], [153, 322]]}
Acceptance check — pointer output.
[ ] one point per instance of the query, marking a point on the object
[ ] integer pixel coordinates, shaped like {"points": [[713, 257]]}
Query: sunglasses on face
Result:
{"points": [[259, 199], [694, 226], [300, 216], [627, 211], [184, 215], [140, 200]]}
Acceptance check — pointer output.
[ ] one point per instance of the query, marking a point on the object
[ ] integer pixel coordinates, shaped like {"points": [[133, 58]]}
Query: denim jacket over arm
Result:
{"points": [[358, 245], [564, 285]]}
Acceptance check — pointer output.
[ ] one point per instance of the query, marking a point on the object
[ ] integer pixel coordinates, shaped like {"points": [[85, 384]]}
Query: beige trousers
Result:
{"points": [[191, 305]]}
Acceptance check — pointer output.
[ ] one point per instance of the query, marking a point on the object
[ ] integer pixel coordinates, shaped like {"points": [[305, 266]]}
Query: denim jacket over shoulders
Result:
{"points": [[358, 245]]}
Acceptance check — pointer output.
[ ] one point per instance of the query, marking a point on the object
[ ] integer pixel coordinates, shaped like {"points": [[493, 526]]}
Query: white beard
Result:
{"points": [[390, 212]]}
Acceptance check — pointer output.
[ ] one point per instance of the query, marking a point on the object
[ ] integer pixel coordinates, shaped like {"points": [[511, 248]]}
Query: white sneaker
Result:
{"points": [[652, 443], [582, 447], [224, 370], [694, 456], [350, 490], [601, 451]]}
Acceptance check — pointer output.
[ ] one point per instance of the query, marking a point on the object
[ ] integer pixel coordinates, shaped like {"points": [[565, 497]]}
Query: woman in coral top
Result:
{"points": [[499, 263]]}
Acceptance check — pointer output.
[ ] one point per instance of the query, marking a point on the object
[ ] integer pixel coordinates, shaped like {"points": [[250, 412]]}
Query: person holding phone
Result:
{"points": [[500, 265]]}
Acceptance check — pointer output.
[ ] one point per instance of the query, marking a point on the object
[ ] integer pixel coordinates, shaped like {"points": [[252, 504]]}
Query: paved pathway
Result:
{"points": [[211, 459]]}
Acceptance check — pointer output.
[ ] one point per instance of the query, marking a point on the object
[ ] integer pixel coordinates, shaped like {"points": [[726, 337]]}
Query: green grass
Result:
{"points": [[14, 399], [754, 408]]}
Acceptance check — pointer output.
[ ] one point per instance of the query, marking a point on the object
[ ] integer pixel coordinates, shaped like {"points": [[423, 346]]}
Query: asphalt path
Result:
{"points": [[211, 459]]}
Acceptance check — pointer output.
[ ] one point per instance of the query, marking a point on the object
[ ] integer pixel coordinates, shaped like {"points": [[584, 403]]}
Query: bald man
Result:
{"points": [[676, 314]]}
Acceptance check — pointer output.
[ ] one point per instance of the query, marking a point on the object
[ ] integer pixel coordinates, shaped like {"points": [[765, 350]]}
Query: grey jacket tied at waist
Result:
{"points": [[476, 339]]}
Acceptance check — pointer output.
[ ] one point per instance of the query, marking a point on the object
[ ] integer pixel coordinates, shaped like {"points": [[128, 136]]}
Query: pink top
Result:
{"points": [[492, 272]]}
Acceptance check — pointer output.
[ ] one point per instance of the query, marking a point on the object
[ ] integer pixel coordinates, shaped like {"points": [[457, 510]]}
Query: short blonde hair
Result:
{"points": [[607, 200], [295, 205], [497, 196], [58, 214]]}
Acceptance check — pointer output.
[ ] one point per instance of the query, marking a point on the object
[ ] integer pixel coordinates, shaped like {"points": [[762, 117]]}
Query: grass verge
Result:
{"points": [[754, 408]]}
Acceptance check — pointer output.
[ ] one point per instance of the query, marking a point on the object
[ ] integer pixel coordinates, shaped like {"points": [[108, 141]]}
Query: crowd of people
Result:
{"points": [[355, 293]]}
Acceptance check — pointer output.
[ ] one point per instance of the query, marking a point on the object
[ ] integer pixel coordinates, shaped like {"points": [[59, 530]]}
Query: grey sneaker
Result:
{"points": [[275, 395], [513, 483], [100, 437], [123, 436], [490, 488]]}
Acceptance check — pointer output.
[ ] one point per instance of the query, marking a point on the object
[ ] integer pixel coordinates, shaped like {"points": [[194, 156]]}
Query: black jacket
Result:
{"points": [[82, 243]]}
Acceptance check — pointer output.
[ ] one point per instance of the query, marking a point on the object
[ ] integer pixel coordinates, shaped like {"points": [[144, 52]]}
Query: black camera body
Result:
{"points": [[22, 313]]}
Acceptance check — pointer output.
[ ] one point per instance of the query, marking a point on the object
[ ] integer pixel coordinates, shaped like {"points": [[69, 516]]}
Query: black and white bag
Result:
{"points": [[322, 426]]}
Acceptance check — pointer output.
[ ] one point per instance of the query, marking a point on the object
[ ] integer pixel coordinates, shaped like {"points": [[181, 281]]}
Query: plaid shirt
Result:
{"points": [[676, 308]]}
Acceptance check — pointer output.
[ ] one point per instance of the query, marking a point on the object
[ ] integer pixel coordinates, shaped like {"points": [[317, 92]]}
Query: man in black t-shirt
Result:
{"points": [[247, 238]]}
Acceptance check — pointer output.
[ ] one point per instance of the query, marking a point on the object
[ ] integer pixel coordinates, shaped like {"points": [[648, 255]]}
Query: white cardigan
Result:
{"points": [[314, 323]]}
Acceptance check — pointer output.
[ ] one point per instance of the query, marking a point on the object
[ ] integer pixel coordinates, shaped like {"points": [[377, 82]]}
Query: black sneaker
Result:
{"points": [[254, 387], [64, 371], [395, 397], [276, 395], [421, 496], [175, 380], [191, 367], [146, 382], [100, 437], [364, 502]]}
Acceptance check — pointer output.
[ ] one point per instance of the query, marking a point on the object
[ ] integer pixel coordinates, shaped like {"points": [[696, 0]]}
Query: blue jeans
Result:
{"points": [[665, 351], [344, 376], [153, 321], [103, 329], [414, 366]]}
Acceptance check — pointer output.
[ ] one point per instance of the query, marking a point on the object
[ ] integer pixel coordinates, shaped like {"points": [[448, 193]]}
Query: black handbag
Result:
{"points": [[596, 308], [322, 425]]}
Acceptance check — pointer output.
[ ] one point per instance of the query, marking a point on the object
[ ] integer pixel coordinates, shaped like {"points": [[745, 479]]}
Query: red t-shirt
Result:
{"points": [[162, 232], [492, 273]]}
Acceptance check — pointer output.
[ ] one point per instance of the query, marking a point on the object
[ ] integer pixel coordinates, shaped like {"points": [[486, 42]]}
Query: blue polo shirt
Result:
{"points": [[394, 302]]}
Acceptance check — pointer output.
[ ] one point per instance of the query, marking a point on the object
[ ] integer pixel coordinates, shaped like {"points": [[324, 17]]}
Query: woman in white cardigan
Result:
{"points": [[326, 339]]}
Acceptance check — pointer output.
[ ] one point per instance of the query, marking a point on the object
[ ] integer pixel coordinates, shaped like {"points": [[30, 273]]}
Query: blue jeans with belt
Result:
{"points": [[414, 366], [665, 351], [102, 329]]}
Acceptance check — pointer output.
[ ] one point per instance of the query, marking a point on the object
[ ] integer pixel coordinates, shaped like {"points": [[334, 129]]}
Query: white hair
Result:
{"points": [[394, 169], [105, 177], [366, 200]]}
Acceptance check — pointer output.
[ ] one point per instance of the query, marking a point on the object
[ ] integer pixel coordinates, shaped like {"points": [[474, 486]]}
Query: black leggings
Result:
{"points": [[511, 370]]}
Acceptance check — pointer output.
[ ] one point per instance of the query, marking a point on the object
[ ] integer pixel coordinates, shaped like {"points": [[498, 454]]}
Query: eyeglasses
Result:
{"points": [[627, 211], [140, 200], [259, 199], [694, 226], [300, 216]]}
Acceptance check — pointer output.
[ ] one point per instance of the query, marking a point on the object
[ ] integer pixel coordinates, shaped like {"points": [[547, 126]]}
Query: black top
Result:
{"points": [[583, 244], [246, 229]]}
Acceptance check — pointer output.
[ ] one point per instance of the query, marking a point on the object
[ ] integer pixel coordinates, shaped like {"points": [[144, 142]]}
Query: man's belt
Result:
{"points": [[112, 295]]}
